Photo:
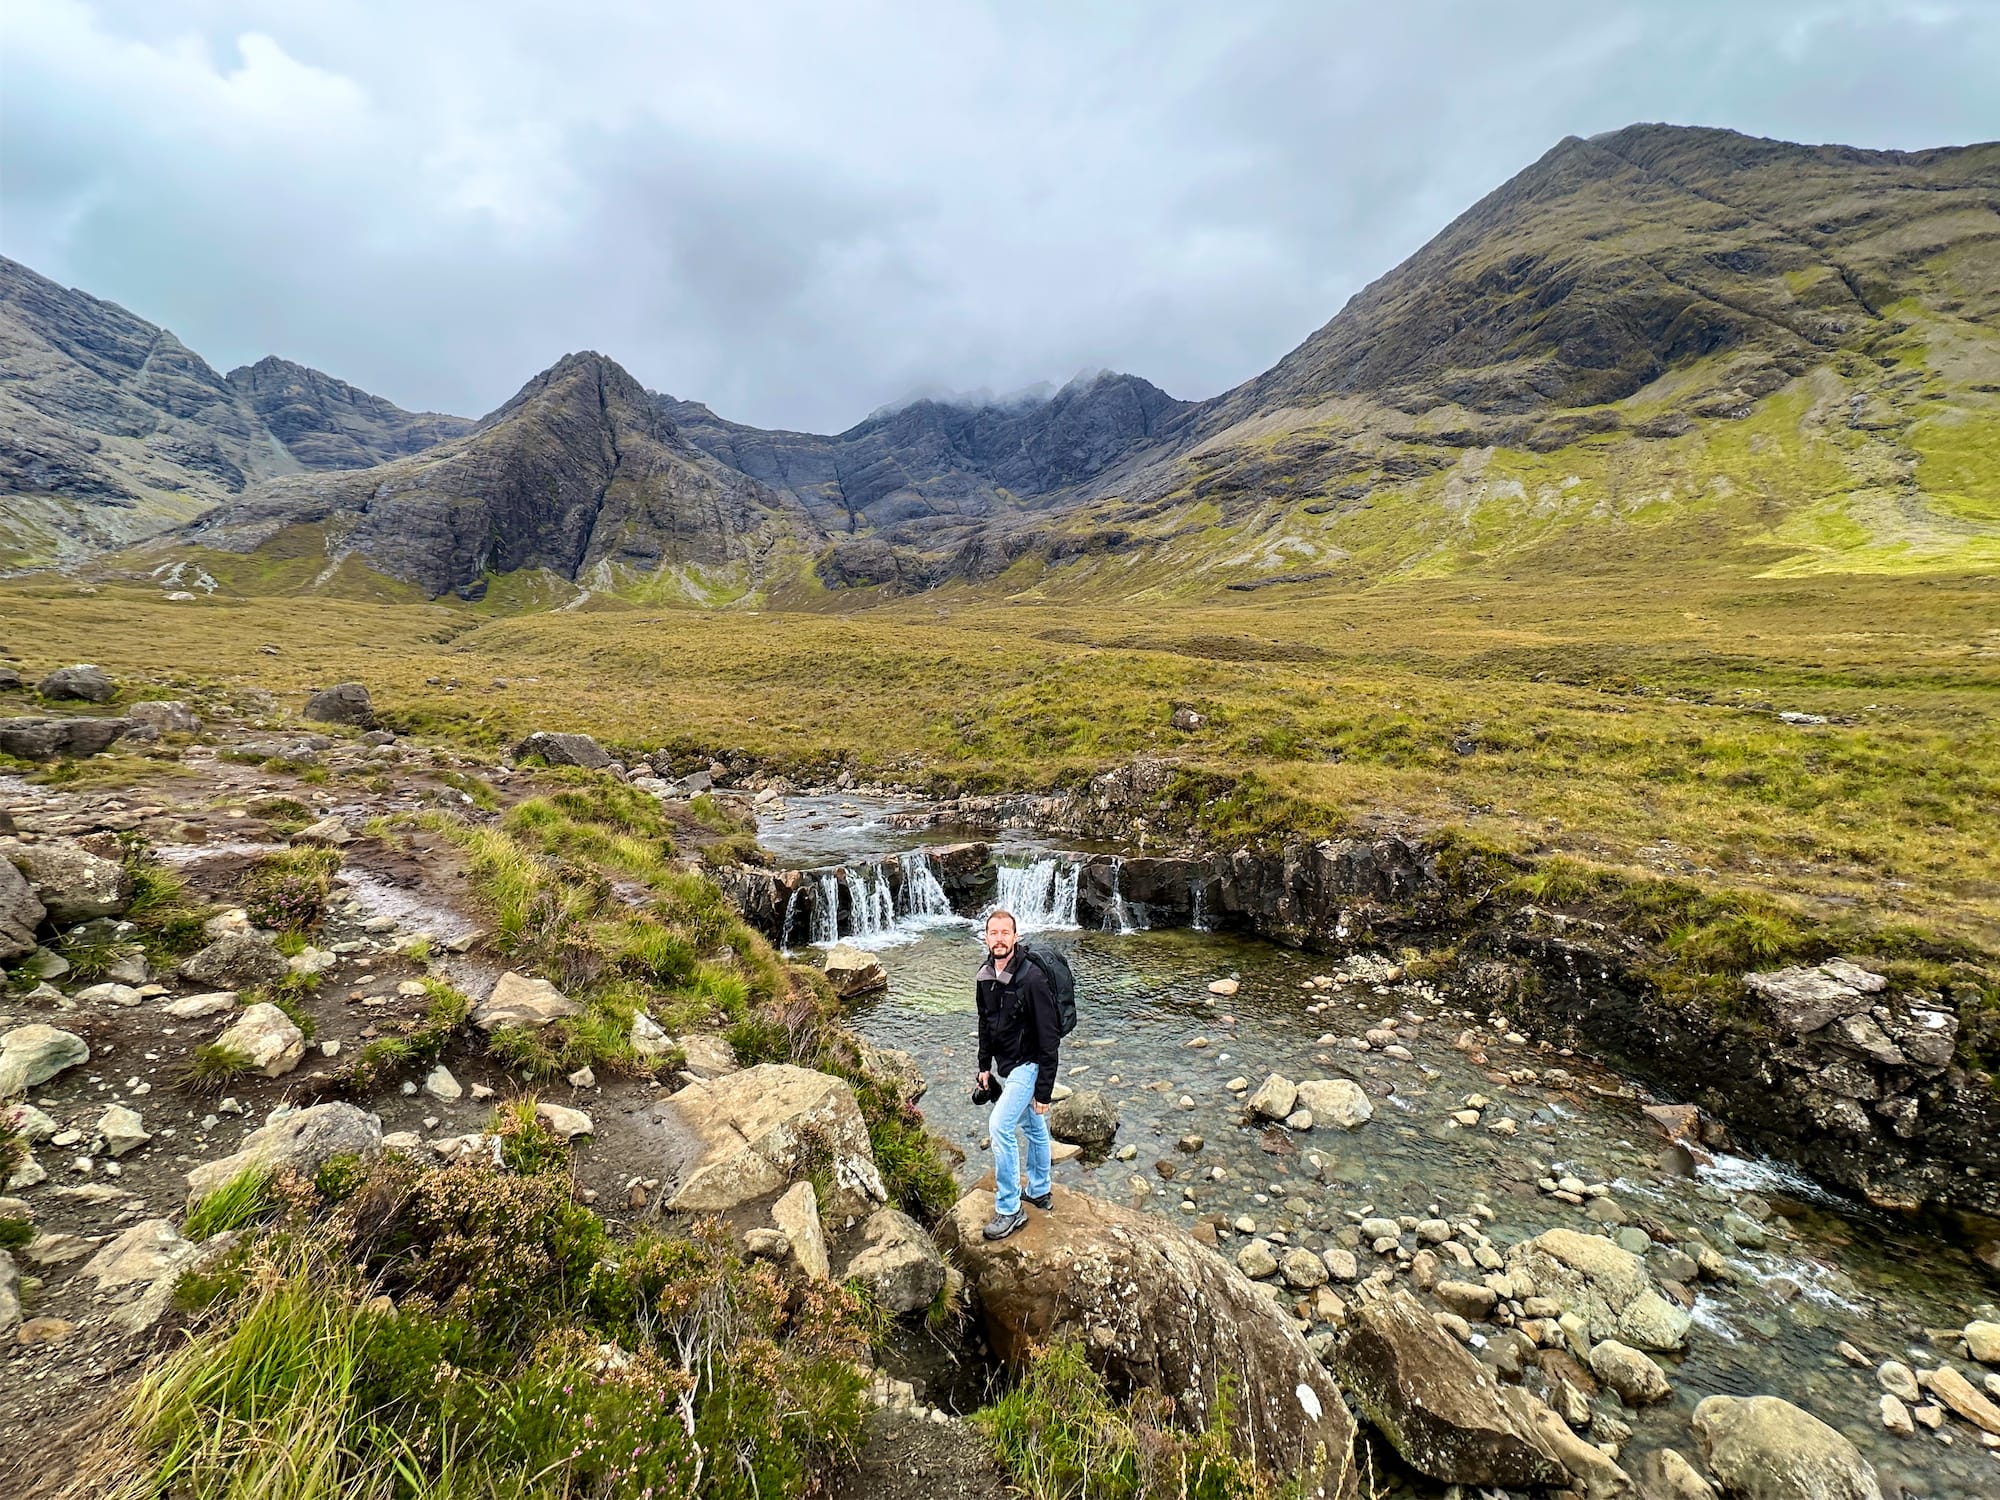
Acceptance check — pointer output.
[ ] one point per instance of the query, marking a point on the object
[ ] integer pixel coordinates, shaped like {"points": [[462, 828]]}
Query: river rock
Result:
{"points": [[1636, 1378], [1982, 1341], [300, 1140], [1303, 1271], [1442, 1410], [82, 684], [72, 884], [854, 972], [123, 1129], [343, 703], [1338, 1102], [1257, 1260], [1896, 1416], [517, 1000], [1153, 1308], [729, 1140], [563, 750], [1958, 1393], [21, 912], [46, 739], [235, 961], [1899, 1380], [1585, 1275], [1650, 1321], [1276, 1097], [1086, 1118], [1762, 1448], [897, 1262], [797, 1213], [166, 716], [1467, 1298], [34, 1054], [268, 1037]]}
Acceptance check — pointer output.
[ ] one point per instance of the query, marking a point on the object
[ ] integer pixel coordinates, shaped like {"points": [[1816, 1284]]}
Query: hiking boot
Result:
{"points": [[1001, 1225], [1046, 1203]]}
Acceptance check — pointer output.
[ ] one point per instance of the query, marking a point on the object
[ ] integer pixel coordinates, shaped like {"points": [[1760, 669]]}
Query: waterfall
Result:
{"points": [[826, 908], [923, 894], [1200, 919], [1042, 894], [874, 903], [1116, 918], [785, 927]]}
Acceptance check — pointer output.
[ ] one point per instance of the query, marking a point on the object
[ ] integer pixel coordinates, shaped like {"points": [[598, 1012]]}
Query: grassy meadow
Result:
{"points": [[1621, 716]]}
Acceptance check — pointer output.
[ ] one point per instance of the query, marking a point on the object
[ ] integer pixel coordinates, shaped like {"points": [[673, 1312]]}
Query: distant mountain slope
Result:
{"points": [[579, 477], [111, 429], [328, 424], [918, 483]]}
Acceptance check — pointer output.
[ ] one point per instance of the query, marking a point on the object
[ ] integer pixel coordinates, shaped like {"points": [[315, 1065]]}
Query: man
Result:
{"points": [[1018, 1036]]}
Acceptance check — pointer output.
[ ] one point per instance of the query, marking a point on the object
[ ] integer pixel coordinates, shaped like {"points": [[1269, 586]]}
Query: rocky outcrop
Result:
{"points": [[1762, 1448], [1152, 1308], [1442, 1410], [731, 1140], [326, 423], [21, 912]]}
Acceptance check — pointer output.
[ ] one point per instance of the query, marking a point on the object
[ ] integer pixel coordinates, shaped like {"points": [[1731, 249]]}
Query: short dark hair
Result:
{"points": [[1001, 911]]}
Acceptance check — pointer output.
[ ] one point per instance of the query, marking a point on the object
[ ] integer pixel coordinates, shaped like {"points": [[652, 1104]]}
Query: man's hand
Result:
{"points": [[1041, 1108], [985, 1080]]}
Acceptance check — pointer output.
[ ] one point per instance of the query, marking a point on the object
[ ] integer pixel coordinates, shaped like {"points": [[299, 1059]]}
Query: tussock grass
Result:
{"points": [[210, 1069], [241, 1201]]}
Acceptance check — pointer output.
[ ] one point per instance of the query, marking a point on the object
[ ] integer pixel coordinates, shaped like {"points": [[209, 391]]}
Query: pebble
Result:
{"points": [[1896, 1416]]}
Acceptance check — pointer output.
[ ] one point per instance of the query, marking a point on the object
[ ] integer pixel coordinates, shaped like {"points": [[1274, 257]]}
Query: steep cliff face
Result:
{"points": [[579, 476], [326, 423]]}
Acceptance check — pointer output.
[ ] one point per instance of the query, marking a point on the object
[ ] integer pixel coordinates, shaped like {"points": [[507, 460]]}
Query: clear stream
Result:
{"points": [[1831, 1270]]}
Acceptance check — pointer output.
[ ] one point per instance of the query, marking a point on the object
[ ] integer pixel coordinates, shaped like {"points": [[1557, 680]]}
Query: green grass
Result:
{"points": [[239, 1202], [1059, 1436], [382, 1061], [210, 1069]]}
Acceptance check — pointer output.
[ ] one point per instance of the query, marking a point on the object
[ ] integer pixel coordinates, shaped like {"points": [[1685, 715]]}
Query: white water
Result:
{"points": [[785, 927], [1116, 918], [1042, 895], [923, 895], [878, 914], [826, 908]]}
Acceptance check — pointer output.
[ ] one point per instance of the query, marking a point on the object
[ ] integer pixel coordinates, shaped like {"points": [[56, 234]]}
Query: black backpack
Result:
{"points": [[1055, 968]]}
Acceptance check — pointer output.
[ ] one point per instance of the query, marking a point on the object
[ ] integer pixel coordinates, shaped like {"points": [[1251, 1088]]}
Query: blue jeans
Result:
{"points": [[1013, 1111]]}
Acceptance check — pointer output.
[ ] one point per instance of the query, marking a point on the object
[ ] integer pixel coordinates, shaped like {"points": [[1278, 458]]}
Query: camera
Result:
{"points": [[988, 1093]]}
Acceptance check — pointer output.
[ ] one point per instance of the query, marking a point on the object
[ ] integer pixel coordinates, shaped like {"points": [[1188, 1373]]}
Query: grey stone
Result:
{"points": [[47, 738], [1276, 1097], [517, 1000], [268, 1037], [1762, 1448], [166, 715], [34, 1054], [343, 703], [854, 972], [236, 961], [72, 884], [81, 683], [729, 1140], [1086, 1118], [897, 1262], [21, 912], [559, 749], [301, 1140], [1633, 1375], [1802, 1000], [797, 1213]]}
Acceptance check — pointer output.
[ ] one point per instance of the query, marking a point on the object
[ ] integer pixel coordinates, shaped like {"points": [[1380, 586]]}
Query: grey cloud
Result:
{"points": [[797, 213]]}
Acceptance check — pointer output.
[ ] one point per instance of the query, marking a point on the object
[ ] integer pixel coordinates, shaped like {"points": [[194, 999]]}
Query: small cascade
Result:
{"points": [[785, 927], [873, 903], [826, 908], [923, 894], [1042, 894], [1116, 917], [1199, 921]]}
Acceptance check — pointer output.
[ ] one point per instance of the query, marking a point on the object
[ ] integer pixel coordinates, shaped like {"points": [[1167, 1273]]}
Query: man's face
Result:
{"points": [[1000, 940]]}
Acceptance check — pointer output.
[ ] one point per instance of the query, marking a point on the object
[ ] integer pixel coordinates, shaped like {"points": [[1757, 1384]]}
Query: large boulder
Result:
{"points": [[897, 1262], [72, 884], [21, 912], [1802, 1000], [517, 1000], [892, 1068], [730, 1140], [1152, 1308], [1338, 1102], [343, 703], [1443, 1410], [34, 1054], [236, 961], [563, 750], [854, 972], [46, 739], [81, 684], [1762, 1448], [1085, 1118], [1276, 1097], [268, 1037], [300, 1140], [1601, 1283]]}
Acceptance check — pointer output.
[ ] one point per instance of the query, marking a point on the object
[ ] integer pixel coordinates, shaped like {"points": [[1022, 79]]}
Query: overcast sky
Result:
{"points": [[800, 212]]}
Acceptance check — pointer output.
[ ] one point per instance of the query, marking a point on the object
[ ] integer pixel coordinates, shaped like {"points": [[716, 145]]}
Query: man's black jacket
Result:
{"points": [[1018, 1023]]}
